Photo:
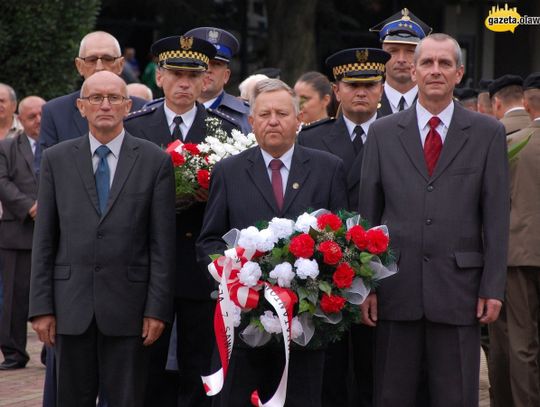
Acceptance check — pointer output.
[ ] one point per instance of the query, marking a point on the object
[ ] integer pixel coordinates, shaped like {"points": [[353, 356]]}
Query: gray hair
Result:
{"points": [[440, 37], [10, 91], [272, 85], [87, 37]]}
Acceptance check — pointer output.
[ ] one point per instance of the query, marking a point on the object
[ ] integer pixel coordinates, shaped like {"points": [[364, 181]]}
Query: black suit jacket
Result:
{"points": [[117, 267], [151, 124], [18, 192], [241, 194]]}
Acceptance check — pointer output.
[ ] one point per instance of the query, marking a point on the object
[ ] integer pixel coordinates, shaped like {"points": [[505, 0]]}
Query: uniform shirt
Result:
{"points": [[187, 119], [423, 117], [394, 97], [365, 126], [112, 159], [286, 159]]}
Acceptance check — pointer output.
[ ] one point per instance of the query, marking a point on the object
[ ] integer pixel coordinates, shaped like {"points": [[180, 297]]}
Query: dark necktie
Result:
{"points": [[401, 105], [357, 142], [432, 145], [177, 133], [37, 158], [277, 182], [103, 177]]}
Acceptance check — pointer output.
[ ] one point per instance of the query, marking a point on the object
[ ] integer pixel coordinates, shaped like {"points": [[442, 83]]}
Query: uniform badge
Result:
{"points": [[213, 36], [405, 14], [362, 55], [186, 43], [296, 185]]}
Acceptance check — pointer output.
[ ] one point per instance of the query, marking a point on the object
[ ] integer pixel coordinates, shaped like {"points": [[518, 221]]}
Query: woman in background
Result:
{"points": [[315, 93]]}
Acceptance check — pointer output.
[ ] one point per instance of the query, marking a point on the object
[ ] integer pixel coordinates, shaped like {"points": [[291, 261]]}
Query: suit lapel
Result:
{"points": [[83, 163], [258, 173], [197, 131], [297, 175], [80, 122], [26, 151], [454, 141], [385, 109], [126, 160], [409, 135], [158, 131], [339, 143]]}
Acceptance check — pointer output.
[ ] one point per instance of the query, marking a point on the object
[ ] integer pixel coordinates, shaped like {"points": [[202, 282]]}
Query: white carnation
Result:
{"points": [[270, 322], [249, 238], [250, 274], [282, 228], [306, 268], [237, 315], [296, 328], [305, 222], [266, 241], [283, 273]]}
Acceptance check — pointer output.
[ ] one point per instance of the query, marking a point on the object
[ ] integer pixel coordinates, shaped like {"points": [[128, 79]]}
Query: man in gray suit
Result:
{"points": [[18, 194], [437, 175], [103, 253]]}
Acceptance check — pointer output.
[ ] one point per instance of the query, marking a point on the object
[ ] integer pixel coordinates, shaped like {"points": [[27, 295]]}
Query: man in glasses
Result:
{"points": [[103, 260], [61, 120]]}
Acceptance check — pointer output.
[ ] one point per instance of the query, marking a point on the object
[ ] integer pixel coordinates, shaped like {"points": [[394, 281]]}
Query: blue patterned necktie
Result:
{"points": [[103, 177]]}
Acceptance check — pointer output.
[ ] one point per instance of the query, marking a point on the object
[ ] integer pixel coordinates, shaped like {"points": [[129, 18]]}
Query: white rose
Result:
{"points": [[306, 268], [304, 222], [270, 322], [283, 273], [267, 240], [282, 228], [250, 274]]}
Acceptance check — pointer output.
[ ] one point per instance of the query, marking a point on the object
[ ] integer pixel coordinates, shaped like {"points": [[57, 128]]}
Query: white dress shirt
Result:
{"points": [[32, 143], [187, 119], [286, 159], [112, 159], [394, 97], [423, 117], [365, 126]]}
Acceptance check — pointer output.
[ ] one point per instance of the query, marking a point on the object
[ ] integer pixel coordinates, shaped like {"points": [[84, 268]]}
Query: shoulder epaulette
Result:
{"points": [[318, 123], [142, 112], [223, 116], [154, 102]]}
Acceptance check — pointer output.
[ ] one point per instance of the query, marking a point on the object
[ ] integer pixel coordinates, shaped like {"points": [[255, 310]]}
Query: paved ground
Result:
{"points": [[23, 387]]}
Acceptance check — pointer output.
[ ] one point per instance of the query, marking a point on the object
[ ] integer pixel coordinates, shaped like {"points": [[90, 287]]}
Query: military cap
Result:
{"points": [[183, 53], [273, 73], [226, 44], [532, 81], [402, 28], [503, 82], [483, 85], [358, 64], [465, 93]]}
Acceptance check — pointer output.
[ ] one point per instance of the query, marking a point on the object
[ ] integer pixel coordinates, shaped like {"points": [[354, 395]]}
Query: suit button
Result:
{"points": [[426, 259], [429, 221], [97, 269], [189, 235], [100, 235], [430, 188]]}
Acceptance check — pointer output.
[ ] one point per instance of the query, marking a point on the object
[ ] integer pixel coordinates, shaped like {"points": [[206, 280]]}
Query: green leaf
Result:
{"points": [[215, 256], [306, 306], [325, 287], [366, 271], [302, 293], [365, 257], [516, 148]]}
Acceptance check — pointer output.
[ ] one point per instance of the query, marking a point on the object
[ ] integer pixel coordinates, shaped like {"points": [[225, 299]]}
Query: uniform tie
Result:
{"points": [[277, 182], [102, 176], [358, 142], [177, 133], [401, 105], [432, 145]]}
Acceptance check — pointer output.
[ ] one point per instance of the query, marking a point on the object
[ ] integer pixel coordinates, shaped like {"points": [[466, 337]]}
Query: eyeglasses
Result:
{"points": [[98, 99], [105, 59]]}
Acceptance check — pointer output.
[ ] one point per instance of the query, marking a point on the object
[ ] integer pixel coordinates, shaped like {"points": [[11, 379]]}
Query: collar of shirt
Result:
{"points": [[423, 116], [187, 118], [365, 126], [209, 103], [114, 145], [32, 143], [536, 119], [514, 109], [394, 97], [286, 159]]}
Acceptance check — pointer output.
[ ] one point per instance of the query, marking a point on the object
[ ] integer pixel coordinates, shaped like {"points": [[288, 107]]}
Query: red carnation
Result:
{"points": [[203, 178], [377, 241], [331, 252], [331, 304], [358, 236], [177, 158], [343, 276], [329, 219], [302, 245], [191, 148]]}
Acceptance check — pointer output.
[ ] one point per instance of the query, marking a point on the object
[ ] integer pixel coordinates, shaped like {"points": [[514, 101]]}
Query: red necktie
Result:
{"points": [[432, 145], [277, 183]]}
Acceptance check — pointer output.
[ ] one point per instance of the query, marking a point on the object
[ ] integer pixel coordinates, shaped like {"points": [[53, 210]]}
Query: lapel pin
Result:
{"points": [[296, 185]]}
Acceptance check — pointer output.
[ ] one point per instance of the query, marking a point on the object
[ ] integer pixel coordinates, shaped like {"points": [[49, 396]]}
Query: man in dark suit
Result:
{"points": [[359, 79], [218, 74], [182, 62], [18, 194], [98, 51], [250, 187], [103, 252], [437, 175], [399, 35]]}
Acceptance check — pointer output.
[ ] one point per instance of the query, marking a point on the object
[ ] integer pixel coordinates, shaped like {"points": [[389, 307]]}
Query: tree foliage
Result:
{"points": [[39, 40]]}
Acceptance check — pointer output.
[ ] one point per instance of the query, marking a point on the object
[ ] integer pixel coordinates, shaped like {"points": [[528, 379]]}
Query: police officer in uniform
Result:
{"points": [[359, 76], [218, 74], [182, 62], [399, 35]]}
